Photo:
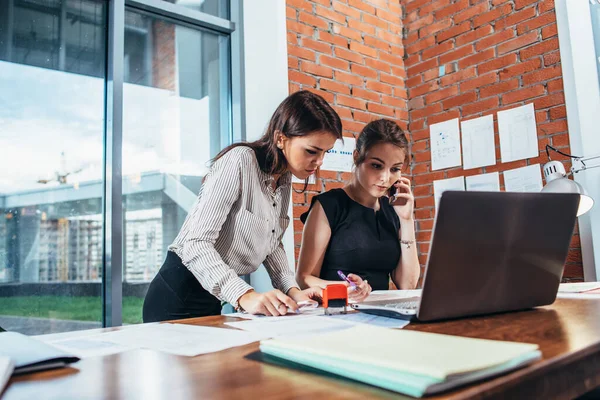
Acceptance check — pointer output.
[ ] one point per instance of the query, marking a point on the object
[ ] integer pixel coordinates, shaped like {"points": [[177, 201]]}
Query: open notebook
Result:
{"points": [[408, 362], [6, 370], [29, 354]]}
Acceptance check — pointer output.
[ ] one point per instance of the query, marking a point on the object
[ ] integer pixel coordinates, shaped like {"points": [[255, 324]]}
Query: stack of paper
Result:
{"points": [[413, 363], [6, 370]]}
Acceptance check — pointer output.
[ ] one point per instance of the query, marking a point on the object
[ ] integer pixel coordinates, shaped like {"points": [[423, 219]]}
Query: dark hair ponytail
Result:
{"points": [[380, 131], [300, 114]]}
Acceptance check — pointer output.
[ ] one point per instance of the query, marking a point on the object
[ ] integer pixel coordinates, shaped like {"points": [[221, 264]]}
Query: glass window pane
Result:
{"points": [[176, 117], [218, 8], [52, 61]]}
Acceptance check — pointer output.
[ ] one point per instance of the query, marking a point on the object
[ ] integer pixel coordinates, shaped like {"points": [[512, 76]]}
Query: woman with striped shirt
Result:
{"points": [[239, 219]]}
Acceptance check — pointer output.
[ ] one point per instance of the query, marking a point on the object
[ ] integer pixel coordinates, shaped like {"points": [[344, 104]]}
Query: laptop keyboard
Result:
{"points": [[406, 305]]}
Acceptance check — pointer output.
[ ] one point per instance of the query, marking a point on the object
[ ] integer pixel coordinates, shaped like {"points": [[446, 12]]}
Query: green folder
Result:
{"points": [[408, 362]]}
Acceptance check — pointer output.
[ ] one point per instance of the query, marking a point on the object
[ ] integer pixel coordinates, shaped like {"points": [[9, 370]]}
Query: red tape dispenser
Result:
{"points": [[335, 299]]}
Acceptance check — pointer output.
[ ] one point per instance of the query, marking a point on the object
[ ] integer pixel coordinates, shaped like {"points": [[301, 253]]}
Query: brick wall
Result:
{"points": [[350, 52], [455, 59]]}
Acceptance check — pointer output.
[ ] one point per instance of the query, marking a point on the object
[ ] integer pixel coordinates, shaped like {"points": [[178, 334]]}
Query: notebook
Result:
{"points": [[408, 362], [6, 370], [29, 355]]}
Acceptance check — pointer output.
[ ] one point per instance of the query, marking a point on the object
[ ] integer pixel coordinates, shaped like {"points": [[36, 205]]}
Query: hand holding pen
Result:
{"points": [[358, 289]]}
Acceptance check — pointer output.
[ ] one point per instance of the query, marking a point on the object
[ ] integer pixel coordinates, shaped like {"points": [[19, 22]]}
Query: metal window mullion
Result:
{"points": [[238, 114], [183, 14], [112, 293]]}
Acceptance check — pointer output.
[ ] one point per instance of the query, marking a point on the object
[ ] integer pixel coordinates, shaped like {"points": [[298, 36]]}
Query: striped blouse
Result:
{"points": [[236, 225]]}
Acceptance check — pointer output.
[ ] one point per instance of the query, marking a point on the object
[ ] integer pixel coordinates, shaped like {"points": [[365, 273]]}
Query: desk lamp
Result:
{"points": [[557, 180]]}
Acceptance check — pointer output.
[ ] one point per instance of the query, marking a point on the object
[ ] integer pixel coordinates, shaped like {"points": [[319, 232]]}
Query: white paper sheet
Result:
{"points": [[311, 180], [578, 296], [340, 157], [90, 346], [524, 179], [484, 182], [291, 326], [304, 313], [578, 287], [518, 133], [369, 319], [377, 295], [180, 339], [445, 144], [478, 142], [440, 186]]}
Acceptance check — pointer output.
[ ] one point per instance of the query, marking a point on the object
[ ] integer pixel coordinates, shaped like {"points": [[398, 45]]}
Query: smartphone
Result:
{"points": [[396, 202]]}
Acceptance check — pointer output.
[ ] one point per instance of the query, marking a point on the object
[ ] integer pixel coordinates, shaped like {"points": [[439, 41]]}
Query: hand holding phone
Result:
{"points": [[395, 201]]}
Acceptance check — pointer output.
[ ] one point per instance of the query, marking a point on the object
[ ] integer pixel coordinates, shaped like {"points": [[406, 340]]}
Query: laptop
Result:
{"points": [[490, 252]]}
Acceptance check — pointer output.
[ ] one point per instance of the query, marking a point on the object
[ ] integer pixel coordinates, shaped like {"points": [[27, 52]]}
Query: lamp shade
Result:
{"points": [[565, 185]]}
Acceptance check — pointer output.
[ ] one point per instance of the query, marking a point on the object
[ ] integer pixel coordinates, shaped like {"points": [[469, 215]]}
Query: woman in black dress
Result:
{"points": [[366, 230]]}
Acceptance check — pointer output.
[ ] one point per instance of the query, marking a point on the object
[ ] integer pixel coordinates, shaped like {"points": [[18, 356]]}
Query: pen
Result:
{"points": [[344, 277]]}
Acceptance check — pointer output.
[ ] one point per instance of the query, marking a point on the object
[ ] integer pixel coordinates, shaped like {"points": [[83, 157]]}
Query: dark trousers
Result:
{"points": [[175, 293]]}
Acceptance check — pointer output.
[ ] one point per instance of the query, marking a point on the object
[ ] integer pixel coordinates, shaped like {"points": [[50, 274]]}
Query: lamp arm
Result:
{"points": [[579, 163]]}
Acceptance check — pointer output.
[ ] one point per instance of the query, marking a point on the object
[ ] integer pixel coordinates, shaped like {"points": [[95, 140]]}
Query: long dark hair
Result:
{"points": [[380, 131], [300, 114]]}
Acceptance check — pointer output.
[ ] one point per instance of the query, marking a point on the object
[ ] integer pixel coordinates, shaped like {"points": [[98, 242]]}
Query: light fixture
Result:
{"points": [[557, 180]]}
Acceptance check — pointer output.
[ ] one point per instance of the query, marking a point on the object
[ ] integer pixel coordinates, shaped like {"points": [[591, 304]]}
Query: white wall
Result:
{"points": [[582, 97], [266, 85]]}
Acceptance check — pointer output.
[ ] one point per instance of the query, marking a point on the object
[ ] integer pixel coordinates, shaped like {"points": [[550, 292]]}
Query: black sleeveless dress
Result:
{"points": [[363, 242]]}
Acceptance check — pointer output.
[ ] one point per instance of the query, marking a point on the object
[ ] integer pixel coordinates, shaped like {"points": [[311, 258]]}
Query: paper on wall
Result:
{"points": [[524, 179], [340, 157], [445, 144], [478, 142], [440, 186], [484, 182], [518, 133]]}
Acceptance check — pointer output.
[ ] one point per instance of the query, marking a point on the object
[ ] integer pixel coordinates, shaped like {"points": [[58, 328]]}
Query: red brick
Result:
{"points": [[499, 88], [424, 66], [441, 94], [318, 46], [497, 63], [380, 109], [420, 23], [295, 76], [542, 75], [343, 112], [427, 111], [474, 34], [431, 74], [513, 18], [437, 50], [555, 86], [334, 86], [434, 28], [544, 47], [333, 62], [394, 60], [348, 55], [348, 78], [362, 49], [361, 5], [549, 101], [459, 76], [326, 95], [388, 16], [330, 15], [492, 15], [344, 9], [459, 100], [476, 58], [551, 58], [394, 101], [300, 4], [420, 45], [428, 178], [520, 69], [333, 39], [436, 5], [415, 5], [549, 31], [386, 78], [301, 52], [561, 140], [471, 11], [310, 19], [291, 13], [293, 62], [379, 87], [300, 28], [374, 42], [365, 94], [523, 3], [546, 5], [415, 80], [523, 94], [362, 27], [480, 106], [478, 82], [534, 23], [316, 69], [453, 32], [554, 127], [377, 22], [389, 36], [377, 65], [347, 33], [494, 39], [363, 71], [351, 102], [520, 41], [558, 112]]}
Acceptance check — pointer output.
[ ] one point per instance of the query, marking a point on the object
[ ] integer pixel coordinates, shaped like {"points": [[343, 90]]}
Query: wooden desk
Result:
{"points": [[568, 333]]}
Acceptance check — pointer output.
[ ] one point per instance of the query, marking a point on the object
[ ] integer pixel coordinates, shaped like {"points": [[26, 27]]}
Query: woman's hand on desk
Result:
{"points": [[271, 303], [311, 294], [359, 292]]}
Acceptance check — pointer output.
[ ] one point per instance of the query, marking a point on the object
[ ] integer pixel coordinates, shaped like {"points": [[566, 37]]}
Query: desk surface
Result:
{"points": [[567, 332]]}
